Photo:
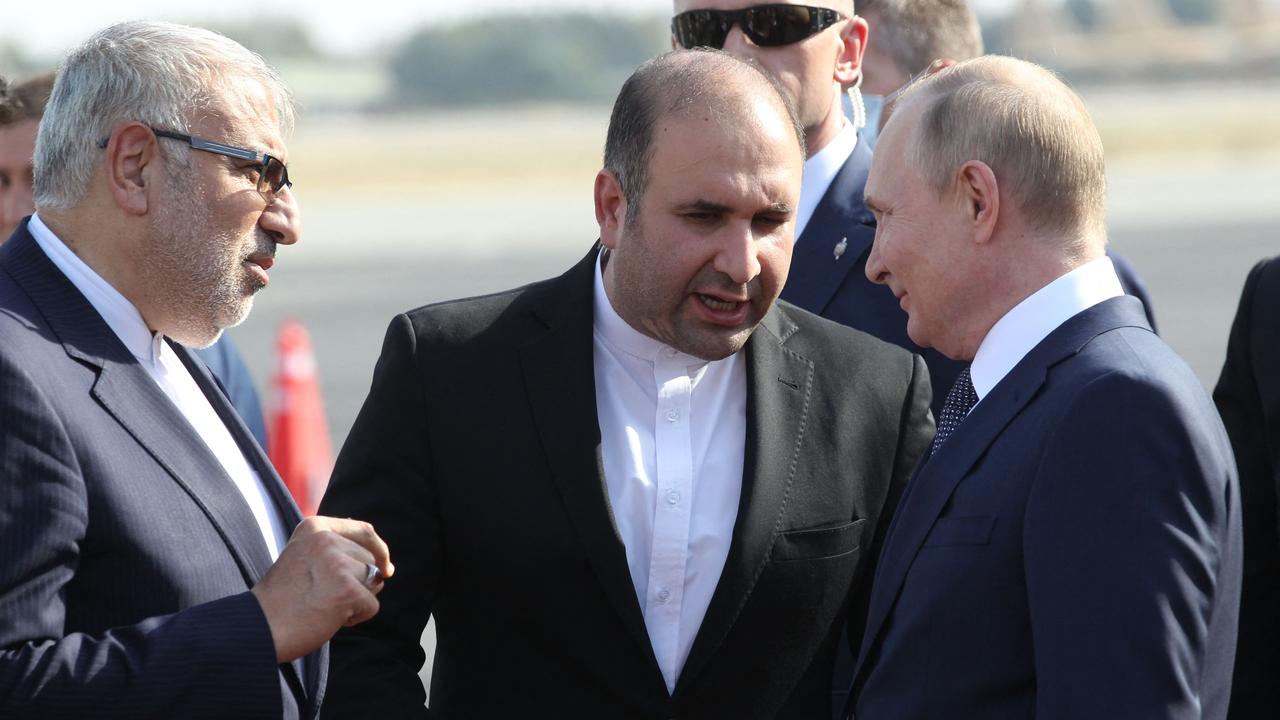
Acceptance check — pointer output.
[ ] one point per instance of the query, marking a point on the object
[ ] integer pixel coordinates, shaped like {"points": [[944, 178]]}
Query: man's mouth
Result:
{"points": [[720, 305]]}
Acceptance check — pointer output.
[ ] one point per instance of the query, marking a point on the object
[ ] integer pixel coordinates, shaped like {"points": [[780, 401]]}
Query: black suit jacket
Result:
{"points": [[477, 457], [126, 553], [1248, 396], [1072, 551]]}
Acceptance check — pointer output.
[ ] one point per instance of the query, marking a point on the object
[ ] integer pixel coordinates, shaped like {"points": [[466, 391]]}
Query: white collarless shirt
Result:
{"points": [[1031, 320], [820, 170], [171, 376], [673, 432]]}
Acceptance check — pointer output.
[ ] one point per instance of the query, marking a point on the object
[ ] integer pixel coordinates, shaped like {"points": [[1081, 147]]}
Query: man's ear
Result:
{"points": [[130, 162], [611, 208], [853, 39], [979, 196]]}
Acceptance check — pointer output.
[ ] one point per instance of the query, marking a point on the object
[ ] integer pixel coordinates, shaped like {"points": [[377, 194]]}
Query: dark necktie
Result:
{"points": [[960, 400]]}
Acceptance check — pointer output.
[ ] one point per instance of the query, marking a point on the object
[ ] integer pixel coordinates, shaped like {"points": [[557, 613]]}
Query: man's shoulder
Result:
{"points": [[824, 339]]}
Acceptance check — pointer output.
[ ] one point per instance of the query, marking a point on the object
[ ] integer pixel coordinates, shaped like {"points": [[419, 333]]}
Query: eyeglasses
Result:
{"points": [[273, 176], [766, 25]]}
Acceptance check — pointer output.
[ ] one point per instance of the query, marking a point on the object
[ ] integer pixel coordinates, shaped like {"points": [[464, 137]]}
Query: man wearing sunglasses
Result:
{"points": [[815, 49], [152, 563], [21, 108]]}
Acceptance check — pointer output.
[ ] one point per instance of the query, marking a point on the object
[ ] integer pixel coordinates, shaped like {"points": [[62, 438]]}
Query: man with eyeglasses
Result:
{"points": [[152, 564], [815, 48], [21, 108], [642, 489]]}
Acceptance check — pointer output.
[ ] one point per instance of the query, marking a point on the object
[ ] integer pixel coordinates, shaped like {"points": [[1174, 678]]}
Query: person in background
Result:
{"points": [[1248, 397], [643, 489], [152, 564], [21, 108], [1071, 545], [815, 49], [910, 37]]}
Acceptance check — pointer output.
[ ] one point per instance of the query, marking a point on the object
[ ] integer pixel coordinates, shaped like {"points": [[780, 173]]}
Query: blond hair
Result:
{"points": [[1032, 131]]}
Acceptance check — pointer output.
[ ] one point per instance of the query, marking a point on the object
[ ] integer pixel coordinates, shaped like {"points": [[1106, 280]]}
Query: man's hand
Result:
{"points": [[317, 584]]}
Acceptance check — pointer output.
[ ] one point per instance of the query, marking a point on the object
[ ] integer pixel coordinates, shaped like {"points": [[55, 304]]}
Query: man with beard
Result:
{"points": [[146, 564], [642, 489], [21, 107]]}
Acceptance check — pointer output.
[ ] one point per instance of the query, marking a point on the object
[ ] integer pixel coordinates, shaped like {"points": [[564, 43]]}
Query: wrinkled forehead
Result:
{"points": [[245, 113]]}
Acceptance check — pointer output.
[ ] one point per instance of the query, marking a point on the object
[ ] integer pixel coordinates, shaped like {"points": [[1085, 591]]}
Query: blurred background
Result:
{"points": [[447, 150]]}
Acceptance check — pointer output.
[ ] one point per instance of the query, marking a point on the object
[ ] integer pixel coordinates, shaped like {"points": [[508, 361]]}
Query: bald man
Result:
{"points": [[1071, 546]]}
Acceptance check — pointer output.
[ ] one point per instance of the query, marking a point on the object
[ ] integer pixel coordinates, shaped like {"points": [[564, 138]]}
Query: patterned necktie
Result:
{"points": [[960, 400]]}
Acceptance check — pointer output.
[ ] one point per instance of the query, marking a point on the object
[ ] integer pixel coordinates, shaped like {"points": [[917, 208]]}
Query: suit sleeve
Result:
{"points": [[210, 660], [1131, 544], [383, 476]]}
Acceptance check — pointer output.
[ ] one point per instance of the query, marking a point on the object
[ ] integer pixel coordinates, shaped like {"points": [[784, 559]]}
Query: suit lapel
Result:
{"points": [[937, 477], [778, 393], [127, 392], [559, 370], [816, 273]]}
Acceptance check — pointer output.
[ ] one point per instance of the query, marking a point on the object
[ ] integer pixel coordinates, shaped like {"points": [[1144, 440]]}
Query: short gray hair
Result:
{"points": [[914, 33], [671, 83], [156, 73], [1034, 133]]}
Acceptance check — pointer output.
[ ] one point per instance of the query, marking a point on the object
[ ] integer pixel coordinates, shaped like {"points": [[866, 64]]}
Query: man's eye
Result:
{"points": [[5, 182]]}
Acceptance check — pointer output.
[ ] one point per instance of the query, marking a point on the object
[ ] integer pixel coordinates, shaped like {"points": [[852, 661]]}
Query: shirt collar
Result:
{"points": [[1031, 320], [120, 314], [819, 170], [619, 334]]}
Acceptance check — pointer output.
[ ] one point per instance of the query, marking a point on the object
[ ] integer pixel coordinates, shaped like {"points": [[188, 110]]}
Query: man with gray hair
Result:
{"points": [[146, 564], [643, 489], [1071, 545]]}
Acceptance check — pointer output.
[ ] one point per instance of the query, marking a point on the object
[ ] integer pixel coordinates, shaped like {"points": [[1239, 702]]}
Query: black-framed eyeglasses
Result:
{"points": [[273, 176], [766, 25]]}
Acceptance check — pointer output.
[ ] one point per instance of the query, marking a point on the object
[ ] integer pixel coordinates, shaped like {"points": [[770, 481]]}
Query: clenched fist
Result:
{"points": [[317, 584]]}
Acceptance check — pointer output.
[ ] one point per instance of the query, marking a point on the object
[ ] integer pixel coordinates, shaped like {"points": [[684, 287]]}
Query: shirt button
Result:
{"points": [[671, 352], [673, 497], [673, 415], [664, 595]]}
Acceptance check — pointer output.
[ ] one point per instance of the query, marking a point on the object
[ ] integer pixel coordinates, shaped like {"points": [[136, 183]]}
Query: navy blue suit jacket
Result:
{"points": [[837, 288], [126, 553], [1248, 396], [1072, 551]]}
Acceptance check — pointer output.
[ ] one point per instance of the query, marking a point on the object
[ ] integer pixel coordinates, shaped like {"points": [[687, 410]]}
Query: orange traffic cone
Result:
{"points": [[297, 434]]}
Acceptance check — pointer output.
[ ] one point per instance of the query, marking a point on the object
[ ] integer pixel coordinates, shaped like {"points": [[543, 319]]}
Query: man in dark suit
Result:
{"points": [[146, 563], [21, 107], [1248, 396], [642, 489], [1071, 547]]}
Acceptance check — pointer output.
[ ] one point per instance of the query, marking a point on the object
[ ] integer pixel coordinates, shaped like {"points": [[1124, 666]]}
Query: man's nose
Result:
{"points": [[875, 269], [737, 43], [282, 219], [739, 256]]}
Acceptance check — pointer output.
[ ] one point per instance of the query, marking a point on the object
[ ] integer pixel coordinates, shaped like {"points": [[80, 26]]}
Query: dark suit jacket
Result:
{"points": [[1248, 396], [477, 457], [126, 553], [838, 289], [1072, 551]]}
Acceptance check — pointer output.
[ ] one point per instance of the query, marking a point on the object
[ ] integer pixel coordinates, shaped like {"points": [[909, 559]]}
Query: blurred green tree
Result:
{"points": [[574, 57]]}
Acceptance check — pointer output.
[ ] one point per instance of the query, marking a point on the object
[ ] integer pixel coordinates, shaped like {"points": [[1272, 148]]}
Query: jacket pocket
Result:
{"points": [[972, 530], [818, 543]]}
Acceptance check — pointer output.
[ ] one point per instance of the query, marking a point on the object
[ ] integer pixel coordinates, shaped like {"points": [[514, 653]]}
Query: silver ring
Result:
{"points": [[371, 573]]}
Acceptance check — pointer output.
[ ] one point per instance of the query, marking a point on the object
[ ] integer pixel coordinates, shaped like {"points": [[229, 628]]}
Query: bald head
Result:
{"points": [[727, 89], [1032, 131]]}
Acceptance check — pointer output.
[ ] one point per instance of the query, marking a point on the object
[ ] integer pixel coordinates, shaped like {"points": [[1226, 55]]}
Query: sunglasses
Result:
{"points": [[765, 25], [273, 176]]}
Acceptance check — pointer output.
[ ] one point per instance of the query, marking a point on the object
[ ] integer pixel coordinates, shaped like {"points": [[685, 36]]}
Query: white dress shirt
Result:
{"points": [[168, 372], [820, 170], [673, 432], [1031, 320]]}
